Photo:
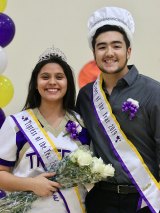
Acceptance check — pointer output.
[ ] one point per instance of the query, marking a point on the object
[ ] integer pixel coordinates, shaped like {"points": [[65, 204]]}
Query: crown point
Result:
{"points": [[52, 52]]}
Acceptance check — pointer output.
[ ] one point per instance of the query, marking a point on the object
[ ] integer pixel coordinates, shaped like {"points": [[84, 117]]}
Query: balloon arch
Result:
{"points": [[7, 32]]}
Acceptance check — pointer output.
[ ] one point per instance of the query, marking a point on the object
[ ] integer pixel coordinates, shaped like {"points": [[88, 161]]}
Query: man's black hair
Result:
{"points": [[107, 28]]}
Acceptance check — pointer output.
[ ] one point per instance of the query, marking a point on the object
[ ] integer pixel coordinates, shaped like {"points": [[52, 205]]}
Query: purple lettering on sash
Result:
{"points": [[30, 128], [95, 90], [38, 138], [106, 120], [43, 145], [55, 197], [97, 99], [112, 129], [105, 115], [48, 153], [117, 139], [101, 106]]}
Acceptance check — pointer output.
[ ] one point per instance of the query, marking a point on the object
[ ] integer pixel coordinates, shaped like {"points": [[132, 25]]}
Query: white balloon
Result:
{"points": [[3, 60]]}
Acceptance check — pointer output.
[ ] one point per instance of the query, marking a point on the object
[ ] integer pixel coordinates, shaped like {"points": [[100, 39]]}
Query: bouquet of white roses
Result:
{"points": [[80, 167]]}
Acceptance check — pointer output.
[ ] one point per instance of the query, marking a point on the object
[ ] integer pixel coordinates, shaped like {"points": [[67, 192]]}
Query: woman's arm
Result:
{"points": [[40, 184]]}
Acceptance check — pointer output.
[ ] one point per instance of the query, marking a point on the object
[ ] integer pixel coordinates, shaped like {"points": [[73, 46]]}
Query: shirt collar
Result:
{"points": [[128, 79], [131, 76]]}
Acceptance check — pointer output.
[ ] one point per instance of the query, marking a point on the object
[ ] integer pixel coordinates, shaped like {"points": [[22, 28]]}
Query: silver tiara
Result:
{"points": [[50, 52]]}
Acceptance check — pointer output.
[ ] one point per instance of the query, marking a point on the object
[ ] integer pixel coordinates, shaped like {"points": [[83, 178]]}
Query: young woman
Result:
{"points": [[35, 139]]}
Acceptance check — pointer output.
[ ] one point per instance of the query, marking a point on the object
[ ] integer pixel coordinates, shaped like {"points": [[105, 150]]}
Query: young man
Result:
{"points": [[121, 110]]}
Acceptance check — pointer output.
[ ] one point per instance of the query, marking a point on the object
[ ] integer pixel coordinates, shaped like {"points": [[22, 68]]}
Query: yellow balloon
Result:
{"points": [[6, 91], [3, 4]]}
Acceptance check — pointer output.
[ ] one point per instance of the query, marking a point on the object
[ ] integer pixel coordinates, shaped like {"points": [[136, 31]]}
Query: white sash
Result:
{"points": [[42, 144], [37, 138], [125, 151]]}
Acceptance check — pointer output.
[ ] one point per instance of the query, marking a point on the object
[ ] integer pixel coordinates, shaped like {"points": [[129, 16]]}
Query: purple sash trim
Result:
{"points": [[121, 161], [30, 143], [139, 203], [64, 200]]}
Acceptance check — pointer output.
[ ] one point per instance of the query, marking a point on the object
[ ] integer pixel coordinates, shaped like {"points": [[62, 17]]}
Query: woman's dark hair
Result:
{"points": [[34, 99], [107, 28]]}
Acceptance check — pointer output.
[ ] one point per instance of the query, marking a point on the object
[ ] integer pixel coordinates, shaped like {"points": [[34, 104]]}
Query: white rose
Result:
{"points": [[84, 158], [97, 166], [134, 102], [73, 157], [108, 171]]}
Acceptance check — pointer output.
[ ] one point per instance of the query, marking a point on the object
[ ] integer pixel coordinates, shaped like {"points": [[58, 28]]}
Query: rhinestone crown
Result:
{"points": [[50, 52]]}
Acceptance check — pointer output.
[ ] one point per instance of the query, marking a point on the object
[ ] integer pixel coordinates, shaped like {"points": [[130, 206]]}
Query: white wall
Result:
{"points": [[41, 23]]}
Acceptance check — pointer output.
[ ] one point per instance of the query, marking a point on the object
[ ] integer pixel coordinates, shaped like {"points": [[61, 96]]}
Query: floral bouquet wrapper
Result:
{"points": [[80, 167]]}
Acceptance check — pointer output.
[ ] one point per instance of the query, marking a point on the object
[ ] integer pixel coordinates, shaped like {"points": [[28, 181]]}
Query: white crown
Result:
{"points": [[50, 52], [111, 16]]}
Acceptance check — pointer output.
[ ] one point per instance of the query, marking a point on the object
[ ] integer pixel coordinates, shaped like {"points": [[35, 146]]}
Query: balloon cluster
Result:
{"points": [[7, 32]]}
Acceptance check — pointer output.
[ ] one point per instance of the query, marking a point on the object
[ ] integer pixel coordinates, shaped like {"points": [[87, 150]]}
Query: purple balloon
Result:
{"points": [[2, 117], [7, 30]]}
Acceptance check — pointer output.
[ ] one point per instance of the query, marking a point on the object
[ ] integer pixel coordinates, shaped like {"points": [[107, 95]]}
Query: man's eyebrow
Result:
{"points": [[113, 42], [116, 42], [101, 43]]}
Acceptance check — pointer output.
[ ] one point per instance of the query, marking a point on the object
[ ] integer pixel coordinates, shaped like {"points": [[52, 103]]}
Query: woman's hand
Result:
{"points": [[42, 186]]}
